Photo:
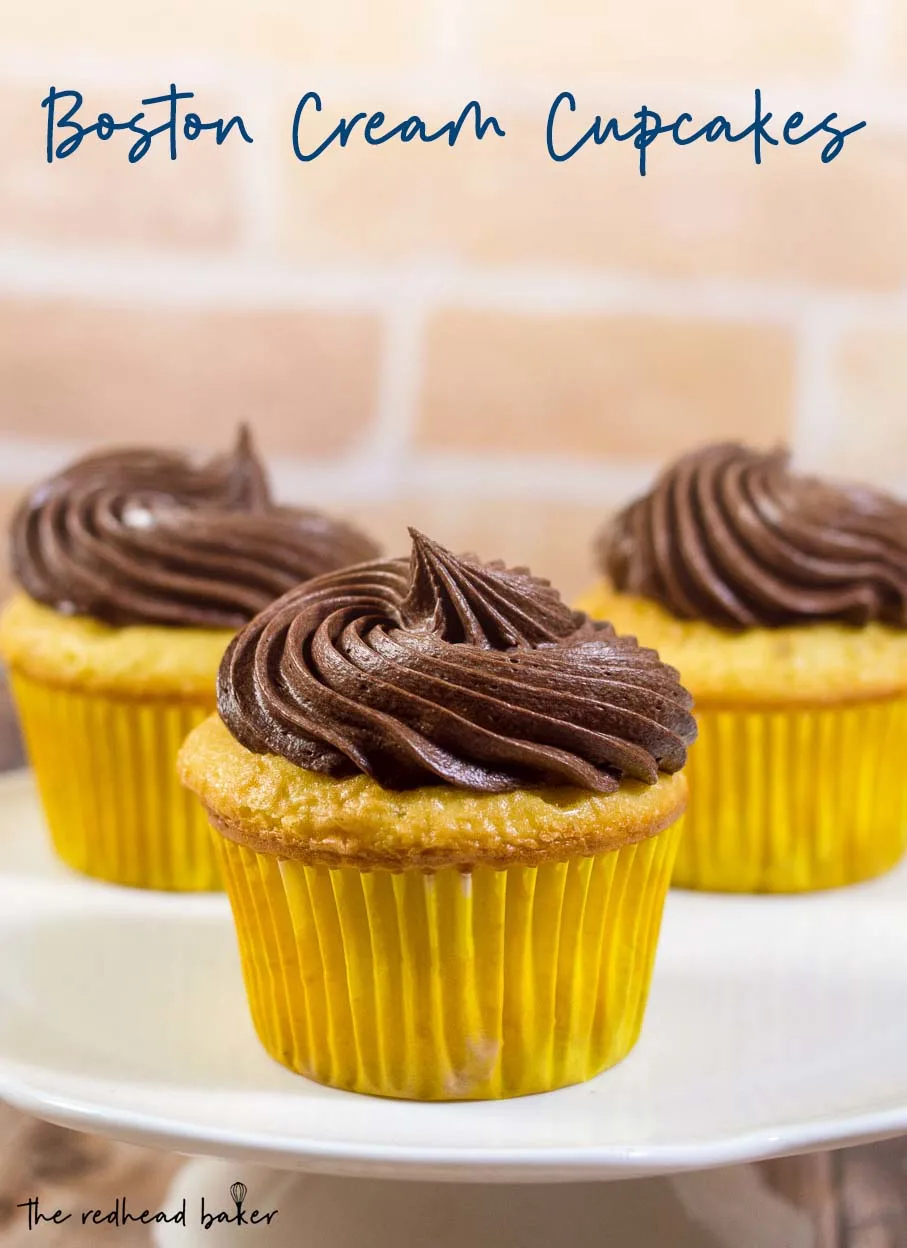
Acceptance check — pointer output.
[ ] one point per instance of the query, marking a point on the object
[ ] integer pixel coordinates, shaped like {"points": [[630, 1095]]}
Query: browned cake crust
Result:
{"points": [[275, 807]]}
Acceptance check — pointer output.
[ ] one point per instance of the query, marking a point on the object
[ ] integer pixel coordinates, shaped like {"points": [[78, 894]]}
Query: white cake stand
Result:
{"points": [[776, 1025]]}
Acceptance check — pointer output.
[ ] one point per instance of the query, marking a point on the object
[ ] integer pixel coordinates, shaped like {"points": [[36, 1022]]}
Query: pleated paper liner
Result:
{"points": [[450, 985], [106, 775], [795, 800]]}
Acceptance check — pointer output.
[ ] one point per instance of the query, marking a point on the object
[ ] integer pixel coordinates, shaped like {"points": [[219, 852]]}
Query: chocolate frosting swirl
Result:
{"points": [[140, 536], [736, 538], [440, 669]]}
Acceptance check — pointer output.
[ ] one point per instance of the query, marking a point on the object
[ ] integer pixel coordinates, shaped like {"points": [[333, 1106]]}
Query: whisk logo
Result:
{"points": [[239, 1191], [238, 1215]]}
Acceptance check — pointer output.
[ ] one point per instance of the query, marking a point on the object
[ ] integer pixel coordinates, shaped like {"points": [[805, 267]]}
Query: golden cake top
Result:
{"points": [[267, 803]]}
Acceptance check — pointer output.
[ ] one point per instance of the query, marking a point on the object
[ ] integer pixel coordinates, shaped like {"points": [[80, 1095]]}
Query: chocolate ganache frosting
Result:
{"points": [[438, 669], [734, 537], [140, 536]]}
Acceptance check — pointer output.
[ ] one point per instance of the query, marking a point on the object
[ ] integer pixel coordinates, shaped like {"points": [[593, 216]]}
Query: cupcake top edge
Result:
{"points": [[266, 803], [735, 537], [439, 669], [139, 535]]}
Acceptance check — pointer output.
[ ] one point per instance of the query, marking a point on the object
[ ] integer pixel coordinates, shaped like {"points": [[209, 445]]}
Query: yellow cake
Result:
{"points": [[103, 712], [136, 568], [781, 600], [446, 851]]}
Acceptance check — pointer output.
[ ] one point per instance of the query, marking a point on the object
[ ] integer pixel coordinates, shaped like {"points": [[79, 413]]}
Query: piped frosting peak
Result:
{"points": [[443, 669]]}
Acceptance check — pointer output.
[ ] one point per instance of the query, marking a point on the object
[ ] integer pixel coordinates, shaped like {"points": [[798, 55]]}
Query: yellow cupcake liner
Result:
{"points": [[106, 774], [794, 800], [451, 985]]}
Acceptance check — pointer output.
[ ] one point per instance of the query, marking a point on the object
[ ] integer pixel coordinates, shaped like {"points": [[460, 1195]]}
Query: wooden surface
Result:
{"points": [[856, 1198]]}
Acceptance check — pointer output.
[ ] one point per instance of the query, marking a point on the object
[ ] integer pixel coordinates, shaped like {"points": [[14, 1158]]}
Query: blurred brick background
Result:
{"points": [[494, 347]]}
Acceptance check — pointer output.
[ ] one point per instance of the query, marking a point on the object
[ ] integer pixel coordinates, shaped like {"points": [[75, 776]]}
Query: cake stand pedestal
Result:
{"points": [[718, 1209]]}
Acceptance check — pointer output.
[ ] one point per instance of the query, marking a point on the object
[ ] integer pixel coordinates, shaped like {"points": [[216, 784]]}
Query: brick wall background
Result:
{"points": [[478, 341]]}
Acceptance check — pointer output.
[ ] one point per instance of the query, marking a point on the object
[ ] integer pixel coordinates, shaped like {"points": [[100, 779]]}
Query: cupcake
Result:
{"points": [[448, 807], [135, 569], [782, 599]]}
